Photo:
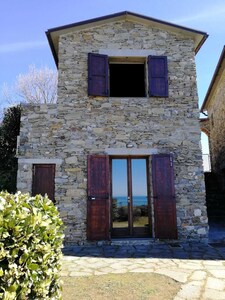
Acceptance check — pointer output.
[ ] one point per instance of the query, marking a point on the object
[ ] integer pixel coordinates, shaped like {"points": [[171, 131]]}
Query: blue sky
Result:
{"points": [[119, 177], [23, 24]]}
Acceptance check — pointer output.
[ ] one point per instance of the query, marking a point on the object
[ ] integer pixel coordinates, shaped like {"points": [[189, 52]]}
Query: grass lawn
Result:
{"points": [[128, 286]]}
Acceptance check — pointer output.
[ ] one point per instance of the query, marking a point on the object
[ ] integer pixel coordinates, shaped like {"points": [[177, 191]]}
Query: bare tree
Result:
{"points": [[37, 86], [7, 98], [7, 93]]}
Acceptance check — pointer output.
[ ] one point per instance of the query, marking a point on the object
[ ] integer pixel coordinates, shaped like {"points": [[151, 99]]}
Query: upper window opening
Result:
{"points": [[127, 76], [127, 80]]}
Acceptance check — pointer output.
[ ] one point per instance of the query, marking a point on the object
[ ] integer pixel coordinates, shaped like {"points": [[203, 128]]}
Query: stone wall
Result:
{"points": [[79, 125], [216, 115]]}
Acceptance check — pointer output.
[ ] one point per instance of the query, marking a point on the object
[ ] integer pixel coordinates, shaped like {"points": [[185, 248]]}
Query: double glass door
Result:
{"points": [[130, 207]]}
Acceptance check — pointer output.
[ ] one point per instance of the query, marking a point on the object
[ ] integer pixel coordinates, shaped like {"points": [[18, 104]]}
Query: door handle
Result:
{"points": [[91, 198]]}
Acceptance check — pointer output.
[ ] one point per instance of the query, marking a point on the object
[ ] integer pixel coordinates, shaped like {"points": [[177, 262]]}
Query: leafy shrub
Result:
{"points": [[31, 238]]}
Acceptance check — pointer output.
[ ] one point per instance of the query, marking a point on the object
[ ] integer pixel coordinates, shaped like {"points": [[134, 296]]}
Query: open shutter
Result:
{"points": [[98, 198], [164, 197], [43, 181], [158, 76], [97, 74]]}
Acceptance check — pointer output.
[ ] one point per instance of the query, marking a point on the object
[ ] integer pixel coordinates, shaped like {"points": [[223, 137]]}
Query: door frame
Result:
{"points": [[131, 229], [160, 189]]}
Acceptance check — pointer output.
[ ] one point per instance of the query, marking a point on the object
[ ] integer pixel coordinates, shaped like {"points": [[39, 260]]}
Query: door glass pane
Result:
{"points": [[139, 193], [119, 193]]}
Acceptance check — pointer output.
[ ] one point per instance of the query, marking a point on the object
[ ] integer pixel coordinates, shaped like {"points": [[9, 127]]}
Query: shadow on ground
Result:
{"points": [[145, 248], [151, 250]]}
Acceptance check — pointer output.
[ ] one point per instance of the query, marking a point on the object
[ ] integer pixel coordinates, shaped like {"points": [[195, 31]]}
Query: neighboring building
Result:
{"points": [[214, 107], [214, 126], [119, 153]]}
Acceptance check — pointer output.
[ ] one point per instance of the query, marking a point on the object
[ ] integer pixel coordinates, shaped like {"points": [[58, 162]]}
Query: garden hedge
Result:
{"points": [[31, 241]]}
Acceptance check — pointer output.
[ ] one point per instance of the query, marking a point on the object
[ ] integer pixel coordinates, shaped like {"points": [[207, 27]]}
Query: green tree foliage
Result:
{"points": [[9, 130], [31, 240]]}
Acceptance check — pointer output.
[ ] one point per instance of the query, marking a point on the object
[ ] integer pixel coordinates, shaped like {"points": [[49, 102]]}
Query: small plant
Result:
{"points": [[31, 239]]}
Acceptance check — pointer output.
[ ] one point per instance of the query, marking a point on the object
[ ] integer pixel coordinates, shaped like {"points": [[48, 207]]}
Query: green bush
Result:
{"points": [[31, 239]]}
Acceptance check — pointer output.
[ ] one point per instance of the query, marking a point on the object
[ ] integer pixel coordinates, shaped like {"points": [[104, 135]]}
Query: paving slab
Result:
{"points": [[199, 267]]}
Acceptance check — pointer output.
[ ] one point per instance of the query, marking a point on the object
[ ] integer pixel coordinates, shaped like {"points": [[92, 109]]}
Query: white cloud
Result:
{"points": [[21, 46], [211, 13]]}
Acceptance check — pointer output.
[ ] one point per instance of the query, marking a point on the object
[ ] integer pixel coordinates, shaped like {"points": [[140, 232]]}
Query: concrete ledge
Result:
{"points": [[57, 161], [133, 151]]}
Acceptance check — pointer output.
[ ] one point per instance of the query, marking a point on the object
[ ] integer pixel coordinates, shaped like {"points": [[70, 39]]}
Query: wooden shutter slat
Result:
{"points": [[158, 76], [98, 198], [97, 74], [164, 197]]}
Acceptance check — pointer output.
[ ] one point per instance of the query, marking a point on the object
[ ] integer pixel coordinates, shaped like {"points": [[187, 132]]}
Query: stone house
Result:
{"points": [[119, 152], [214, 126]]}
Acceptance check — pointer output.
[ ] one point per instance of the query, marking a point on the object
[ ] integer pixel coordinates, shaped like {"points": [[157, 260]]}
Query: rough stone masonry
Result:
{"points": [[78, 125]]}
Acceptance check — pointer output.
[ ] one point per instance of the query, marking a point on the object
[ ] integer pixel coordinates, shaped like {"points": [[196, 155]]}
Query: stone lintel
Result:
{"points": [[127, 151], [57, 161]]}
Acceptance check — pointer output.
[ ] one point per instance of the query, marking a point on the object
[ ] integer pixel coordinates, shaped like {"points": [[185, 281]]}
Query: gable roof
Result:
{"points": [[53, 34], [215, 80]]}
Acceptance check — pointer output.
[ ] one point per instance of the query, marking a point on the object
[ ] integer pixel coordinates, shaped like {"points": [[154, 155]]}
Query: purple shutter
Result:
{"points": [[97, 74], [158, 76], [98, 198], [164, 197]]}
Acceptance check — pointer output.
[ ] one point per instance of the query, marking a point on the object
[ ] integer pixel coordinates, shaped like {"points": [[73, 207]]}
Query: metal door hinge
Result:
{"points": [[171, 161]]}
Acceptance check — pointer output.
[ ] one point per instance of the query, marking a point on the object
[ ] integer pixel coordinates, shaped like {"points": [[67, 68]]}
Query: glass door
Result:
{"points": [[120, 205], [140, 207], [130, 209]]}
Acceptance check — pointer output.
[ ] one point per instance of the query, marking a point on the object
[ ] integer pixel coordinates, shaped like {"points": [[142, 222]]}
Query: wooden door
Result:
{"points": [[44, 180], [164, 197], [98, 198]]}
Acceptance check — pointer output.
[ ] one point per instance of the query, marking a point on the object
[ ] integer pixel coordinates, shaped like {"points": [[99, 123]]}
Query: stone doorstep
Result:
{"points": [[141, 241], [131, 242]]}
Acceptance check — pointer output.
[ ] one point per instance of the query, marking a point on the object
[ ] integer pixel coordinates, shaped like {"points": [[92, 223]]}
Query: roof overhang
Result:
{"points": [[214, 82], [53, 34]]}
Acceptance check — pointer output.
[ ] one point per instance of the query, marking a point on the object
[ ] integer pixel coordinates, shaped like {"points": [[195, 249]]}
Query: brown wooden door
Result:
{"points": [[164, 197], [44, 180], [98, 198]]}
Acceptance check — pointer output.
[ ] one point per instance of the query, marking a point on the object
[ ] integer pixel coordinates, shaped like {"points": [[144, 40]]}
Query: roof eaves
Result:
{"points": [[118, 15], [122, 14], [205, 36], [59, 28], [222, 57], [88, 21], [51, 44]]}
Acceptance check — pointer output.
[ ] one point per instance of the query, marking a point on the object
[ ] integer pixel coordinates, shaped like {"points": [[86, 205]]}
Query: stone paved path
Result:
{"points": [[200, 268]]}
